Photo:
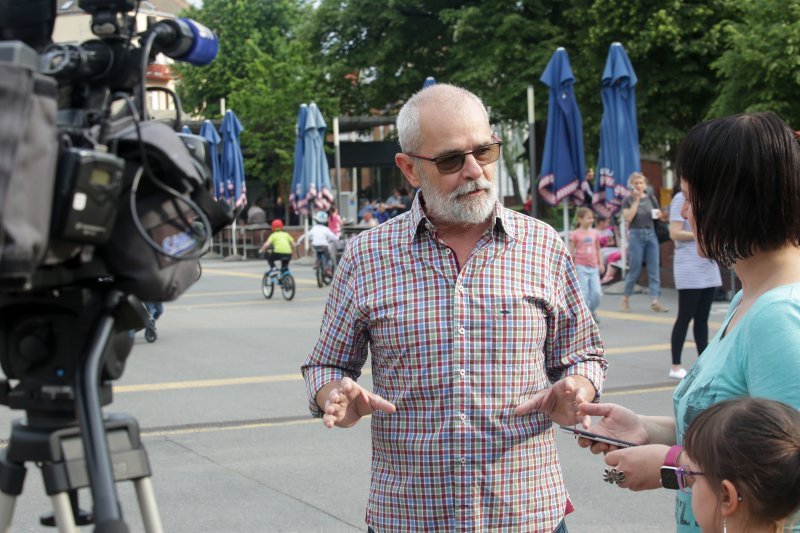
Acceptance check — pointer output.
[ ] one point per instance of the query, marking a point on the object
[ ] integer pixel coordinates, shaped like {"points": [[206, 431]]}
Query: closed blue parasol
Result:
{"points": [[430, 80], [232, 160], [209, 133], [563, 163], [186, 129], [315, 163], [619, 137], [299, 191]]}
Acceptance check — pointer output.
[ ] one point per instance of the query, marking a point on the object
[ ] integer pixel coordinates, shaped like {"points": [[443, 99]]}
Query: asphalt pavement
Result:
{"points": [[222, 409]]}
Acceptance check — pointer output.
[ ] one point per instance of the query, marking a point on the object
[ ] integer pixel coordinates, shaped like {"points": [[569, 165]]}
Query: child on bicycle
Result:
{"points": [[279, 246], [320, 236]]}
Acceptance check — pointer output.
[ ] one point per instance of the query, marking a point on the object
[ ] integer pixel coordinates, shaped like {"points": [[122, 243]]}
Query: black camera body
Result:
{"points": [[100, 207]]}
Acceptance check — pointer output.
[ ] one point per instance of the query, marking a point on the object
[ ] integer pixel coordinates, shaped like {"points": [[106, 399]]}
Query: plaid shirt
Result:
{"points": [[456, 351]]}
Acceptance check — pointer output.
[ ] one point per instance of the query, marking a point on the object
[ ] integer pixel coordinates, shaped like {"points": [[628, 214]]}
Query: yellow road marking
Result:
{"points": [[251, 275], [260, 425], [262, 301], [637, 317], [205, 383]]}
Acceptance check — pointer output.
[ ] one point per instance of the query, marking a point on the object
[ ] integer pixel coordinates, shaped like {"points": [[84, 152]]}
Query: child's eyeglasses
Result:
{"points": [[686, 478], [450, 163]]}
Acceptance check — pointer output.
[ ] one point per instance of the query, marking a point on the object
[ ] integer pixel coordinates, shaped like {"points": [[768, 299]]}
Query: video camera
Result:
{"points": [[101, 206], [93, 194]]}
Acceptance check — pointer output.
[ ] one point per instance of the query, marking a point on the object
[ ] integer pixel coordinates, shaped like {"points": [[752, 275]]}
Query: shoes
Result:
{"points": [[678, 374], [624, 306], [658, 308]]}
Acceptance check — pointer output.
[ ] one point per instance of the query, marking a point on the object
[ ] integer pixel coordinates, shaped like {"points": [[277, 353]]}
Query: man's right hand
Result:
{"points": [[347, 402]]}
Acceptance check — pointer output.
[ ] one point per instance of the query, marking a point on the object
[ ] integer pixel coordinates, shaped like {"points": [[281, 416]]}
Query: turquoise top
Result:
{"points": [[760, 357]]}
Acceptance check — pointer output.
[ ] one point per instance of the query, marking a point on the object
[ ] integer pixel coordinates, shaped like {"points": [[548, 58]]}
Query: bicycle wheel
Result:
{"points": [[327, 271], [319, 274], [267, 286], [287, 287]]}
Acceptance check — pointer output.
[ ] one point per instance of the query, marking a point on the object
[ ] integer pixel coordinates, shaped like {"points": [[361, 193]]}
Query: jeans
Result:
{"points": [[643, 246], [589, 279]]}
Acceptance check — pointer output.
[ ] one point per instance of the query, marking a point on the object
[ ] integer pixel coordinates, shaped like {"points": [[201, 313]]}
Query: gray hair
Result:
{"points": [[443, 95]]}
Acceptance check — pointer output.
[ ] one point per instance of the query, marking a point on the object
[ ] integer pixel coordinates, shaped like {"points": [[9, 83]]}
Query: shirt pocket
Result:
{"points": [[519, 331]]}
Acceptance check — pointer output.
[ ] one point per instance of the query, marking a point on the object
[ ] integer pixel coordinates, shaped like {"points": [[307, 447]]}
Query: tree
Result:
{"points": [[760, 68], [265, 70], [671, 46]]}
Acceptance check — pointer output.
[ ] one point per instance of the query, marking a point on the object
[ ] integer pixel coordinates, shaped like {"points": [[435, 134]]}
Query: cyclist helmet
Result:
{"points": [[321, 217], [277, 224]]}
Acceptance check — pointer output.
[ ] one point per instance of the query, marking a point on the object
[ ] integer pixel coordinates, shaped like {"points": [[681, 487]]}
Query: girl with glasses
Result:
{"points": [[743, 467]]}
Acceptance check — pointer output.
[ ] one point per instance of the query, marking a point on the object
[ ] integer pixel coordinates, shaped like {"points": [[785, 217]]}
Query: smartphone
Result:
{"points": [[597, 438]]}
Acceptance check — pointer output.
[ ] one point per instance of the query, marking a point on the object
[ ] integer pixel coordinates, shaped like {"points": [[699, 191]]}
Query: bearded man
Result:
{"points": [[478, 334]]}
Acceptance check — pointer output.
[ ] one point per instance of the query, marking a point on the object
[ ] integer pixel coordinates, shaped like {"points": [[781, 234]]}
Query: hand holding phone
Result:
{"points": [[594, 437]]}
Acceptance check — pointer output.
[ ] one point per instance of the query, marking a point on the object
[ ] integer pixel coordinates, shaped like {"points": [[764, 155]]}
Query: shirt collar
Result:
{"points": [[419, 223]]}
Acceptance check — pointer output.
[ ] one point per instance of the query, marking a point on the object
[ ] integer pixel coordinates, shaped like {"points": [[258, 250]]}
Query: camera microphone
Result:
{"points": [[185, 40]]}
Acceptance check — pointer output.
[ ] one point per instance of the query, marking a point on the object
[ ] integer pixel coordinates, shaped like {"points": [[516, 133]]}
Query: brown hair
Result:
{"points": [[755, 444], [582, 212]]}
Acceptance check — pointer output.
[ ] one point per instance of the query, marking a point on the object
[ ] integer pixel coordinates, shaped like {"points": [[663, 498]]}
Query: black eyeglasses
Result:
{"points": [[450, 163]]}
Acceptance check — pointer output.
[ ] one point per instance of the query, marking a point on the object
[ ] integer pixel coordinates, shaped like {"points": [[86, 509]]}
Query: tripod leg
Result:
{"points": [[147, 505], [62, 509], [7, 502]]}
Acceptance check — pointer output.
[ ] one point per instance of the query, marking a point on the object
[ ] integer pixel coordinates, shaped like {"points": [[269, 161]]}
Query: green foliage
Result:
{"points": [[760, 68], [264, 71], [671, 46]]}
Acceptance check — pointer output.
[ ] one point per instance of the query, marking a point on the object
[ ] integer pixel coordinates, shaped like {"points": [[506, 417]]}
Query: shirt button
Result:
{"points": [[461, 331], [448, 251], [462, 372], [460, 288], [463, 460], [463, 416]]}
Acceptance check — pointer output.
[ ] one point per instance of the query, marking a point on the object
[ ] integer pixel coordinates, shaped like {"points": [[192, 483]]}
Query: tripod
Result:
{"points": [[59, 453], [64, 432]]}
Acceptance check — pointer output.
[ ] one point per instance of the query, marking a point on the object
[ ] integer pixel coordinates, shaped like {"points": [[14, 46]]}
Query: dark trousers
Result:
{"points": [[283, 258], [562, 528], [693, 304]]}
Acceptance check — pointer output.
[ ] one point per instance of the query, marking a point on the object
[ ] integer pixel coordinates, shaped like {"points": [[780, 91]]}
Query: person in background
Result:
{"points": [[368, 221], [279, 246], [381, 215], [743, 466], [334, 221], [584, 246], [748, 163], [696, 279], [321, 238], [477, 334], [639, 210], [256, 214]]}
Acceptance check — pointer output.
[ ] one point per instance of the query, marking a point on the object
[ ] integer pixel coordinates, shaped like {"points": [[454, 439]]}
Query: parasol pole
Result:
{"points": [[566, 219], [623, 237], [532, 150], [338, 164]]}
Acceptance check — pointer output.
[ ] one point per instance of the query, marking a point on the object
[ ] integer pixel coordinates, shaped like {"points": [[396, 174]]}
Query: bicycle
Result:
{"points": [[285, 280], [324, 266]]}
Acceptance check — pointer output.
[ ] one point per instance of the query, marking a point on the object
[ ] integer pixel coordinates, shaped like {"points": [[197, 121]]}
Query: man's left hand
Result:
{"points": [[562, 401]]}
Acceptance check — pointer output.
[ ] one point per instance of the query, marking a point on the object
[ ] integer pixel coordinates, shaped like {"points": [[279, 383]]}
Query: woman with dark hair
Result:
{"points": [[741, 179]]}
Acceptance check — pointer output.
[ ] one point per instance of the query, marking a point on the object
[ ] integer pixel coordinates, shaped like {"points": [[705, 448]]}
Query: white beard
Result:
{"points": [[454, 208]]}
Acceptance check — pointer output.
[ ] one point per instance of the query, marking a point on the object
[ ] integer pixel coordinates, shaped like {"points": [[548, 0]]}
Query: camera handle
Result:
{"points": [[74, 456]]}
